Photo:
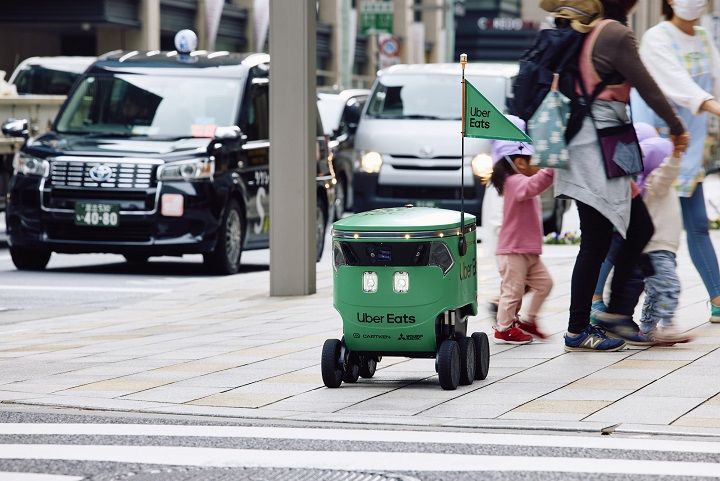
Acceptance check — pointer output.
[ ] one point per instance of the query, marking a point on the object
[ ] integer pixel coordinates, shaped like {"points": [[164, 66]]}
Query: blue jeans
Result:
{"points": [[701, 248], [662, 291], [608, 263]]}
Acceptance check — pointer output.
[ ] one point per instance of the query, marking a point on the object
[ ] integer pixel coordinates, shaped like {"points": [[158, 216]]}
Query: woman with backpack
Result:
{"points": [[683, 60], [609, 57]]}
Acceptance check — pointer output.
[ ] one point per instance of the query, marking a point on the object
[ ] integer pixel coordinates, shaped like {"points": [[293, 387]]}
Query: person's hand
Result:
{"points": [[680, 142]]}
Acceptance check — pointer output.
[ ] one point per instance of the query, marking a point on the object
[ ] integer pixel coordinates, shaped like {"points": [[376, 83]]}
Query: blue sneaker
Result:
{"points": [[714, 313], [592, 339], [621, 327], [598, 306]]}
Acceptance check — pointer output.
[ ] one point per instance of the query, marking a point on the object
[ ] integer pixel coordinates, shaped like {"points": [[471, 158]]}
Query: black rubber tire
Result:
{"points": [[351, 368], [136, 258], [448, 358], [225, 258], [482, 355], [28, 259], [320, 227], [330, 366], [368, 365], [467, 360]]}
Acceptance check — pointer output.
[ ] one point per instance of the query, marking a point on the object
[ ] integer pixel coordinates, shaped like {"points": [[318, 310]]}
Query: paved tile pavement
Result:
{"points": [[223, 348]]}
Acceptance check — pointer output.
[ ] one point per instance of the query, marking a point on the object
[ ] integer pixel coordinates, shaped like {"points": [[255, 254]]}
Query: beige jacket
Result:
{"points": [[663, 204]]}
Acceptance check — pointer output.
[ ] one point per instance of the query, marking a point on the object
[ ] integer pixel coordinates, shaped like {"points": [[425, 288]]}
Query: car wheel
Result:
{"points": [[320, 226], [340, 197], [225, 259], [136, 258], [28, 259]]}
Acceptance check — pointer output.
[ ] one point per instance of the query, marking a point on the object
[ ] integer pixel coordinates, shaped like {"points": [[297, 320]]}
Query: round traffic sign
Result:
{"points": [[390, 47]]}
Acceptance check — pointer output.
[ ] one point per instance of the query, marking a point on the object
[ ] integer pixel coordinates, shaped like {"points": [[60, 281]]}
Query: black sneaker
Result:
{"points": [[621, 326], [592, 339]]}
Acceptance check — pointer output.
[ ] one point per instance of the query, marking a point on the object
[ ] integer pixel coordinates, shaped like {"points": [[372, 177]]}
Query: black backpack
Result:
{"points": [[556, 50]]}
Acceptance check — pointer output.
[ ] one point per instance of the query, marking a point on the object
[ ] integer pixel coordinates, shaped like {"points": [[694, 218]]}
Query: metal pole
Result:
{"points": [[293, 107], [463, 243]]}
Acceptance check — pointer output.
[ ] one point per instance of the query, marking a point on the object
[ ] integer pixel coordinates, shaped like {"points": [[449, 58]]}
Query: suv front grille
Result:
{"points": [[127, 200], [122, 175], [424, 192]]}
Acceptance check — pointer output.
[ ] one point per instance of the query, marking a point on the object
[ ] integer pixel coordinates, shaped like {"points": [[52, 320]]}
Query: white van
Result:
{"points": [[407, 146]]}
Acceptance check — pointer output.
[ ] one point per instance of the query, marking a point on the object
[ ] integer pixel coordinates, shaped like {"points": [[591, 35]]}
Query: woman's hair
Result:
{"points": [[618, 9], [501, 171], [667, 10]]}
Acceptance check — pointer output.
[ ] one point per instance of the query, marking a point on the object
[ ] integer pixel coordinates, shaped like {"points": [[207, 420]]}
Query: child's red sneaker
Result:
{"points": [[531, 327], [512, 336]]}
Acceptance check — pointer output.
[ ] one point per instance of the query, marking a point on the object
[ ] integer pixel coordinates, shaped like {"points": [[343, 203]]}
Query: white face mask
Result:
{"points": [[688, 9]]}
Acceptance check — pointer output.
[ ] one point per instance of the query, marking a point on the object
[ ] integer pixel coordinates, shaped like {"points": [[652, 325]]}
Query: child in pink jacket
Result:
{"points": [[520, 241]]}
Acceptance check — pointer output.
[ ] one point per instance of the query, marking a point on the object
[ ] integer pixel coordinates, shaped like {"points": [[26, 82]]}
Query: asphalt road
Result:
{"points": [[74, 446], [89, 282]]}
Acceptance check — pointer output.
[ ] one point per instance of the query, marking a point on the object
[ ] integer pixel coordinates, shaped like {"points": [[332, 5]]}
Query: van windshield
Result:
{"points": [[39, 80], [429, 96], [151, 106]]}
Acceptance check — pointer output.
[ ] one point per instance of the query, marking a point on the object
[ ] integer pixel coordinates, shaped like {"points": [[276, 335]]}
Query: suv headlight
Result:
{"points": [[482, 166], [370, 162], [195, 169], [29, 165]]}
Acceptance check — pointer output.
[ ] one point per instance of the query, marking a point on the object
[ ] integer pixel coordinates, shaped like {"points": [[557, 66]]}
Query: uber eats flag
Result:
{"points": [[484, 121]]}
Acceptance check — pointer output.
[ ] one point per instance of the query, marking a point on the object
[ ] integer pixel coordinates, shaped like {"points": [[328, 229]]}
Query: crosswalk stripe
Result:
{"points": [[352, 461], [359, 435], [8, 476]]}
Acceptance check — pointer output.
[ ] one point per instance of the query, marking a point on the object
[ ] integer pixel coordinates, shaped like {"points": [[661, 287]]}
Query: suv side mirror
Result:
{"points": [[352, 116], [228, 133], [16, 128]]}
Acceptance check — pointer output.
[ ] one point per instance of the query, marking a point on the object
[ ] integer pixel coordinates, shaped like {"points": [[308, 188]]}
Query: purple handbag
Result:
{"points": [[620, 150]]}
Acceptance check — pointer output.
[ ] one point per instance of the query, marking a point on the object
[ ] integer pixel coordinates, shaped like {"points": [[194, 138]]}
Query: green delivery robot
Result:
{"points": [[405, 283]]}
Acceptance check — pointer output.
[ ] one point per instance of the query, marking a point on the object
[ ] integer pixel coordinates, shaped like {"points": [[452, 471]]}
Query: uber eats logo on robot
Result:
{"points": [[388, 318]]}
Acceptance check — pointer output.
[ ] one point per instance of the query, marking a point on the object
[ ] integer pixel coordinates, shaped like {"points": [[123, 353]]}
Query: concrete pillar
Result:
{"points": [[148, 36], [330, 13], [201, 26], [433, 18], [249, 5], [292, 155], [402, 23]]}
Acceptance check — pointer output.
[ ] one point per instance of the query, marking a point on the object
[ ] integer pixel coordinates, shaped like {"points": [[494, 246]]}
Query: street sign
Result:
{"points": [[376, 16], [388, 50]]}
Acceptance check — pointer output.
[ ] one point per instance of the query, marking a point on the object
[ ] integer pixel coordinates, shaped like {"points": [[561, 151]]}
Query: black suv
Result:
{"points": [[155, 153]]}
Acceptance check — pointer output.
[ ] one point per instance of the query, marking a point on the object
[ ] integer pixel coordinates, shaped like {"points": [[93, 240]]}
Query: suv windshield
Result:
{"points": [[39, 80], [429, 96], [148, 105]]}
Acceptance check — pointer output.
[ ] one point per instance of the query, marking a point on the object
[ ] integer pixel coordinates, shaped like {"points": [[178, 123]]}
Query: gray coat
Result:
{"points": [[585, 179]]}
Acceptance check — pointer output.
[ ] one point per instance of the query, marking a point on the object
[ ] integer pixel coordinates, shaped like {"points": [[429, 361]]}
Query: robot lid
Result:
{"points": [[407, 222]]}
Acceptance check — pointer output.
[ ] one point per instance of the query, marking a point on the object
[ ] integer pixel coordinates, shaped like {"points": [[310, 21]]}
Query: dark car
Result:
{"points": [[340, 113], [155, 154]]}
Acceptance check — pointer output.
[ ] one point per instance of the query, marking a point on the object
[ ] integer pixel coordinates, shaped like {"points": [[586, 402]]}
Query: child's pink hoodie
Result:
{"points": [[522, 228]]}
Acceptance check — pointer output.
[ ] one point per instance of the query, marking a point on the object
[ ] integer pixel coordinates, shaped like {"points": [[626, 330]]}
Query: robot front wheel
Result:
{"points": [[338, 364]]}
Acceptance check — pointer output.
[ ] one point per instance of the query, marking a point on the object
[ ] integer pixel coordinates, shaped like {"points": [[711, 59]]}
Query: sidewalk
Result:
{"points": [[223, 348]]}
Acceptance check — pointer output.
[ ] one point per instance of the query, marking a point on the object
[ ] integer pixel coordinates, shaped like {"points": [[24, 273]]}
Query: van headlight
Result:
{"points": [[195, 169], [482, 166], [29, 165], [370, 162]]}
